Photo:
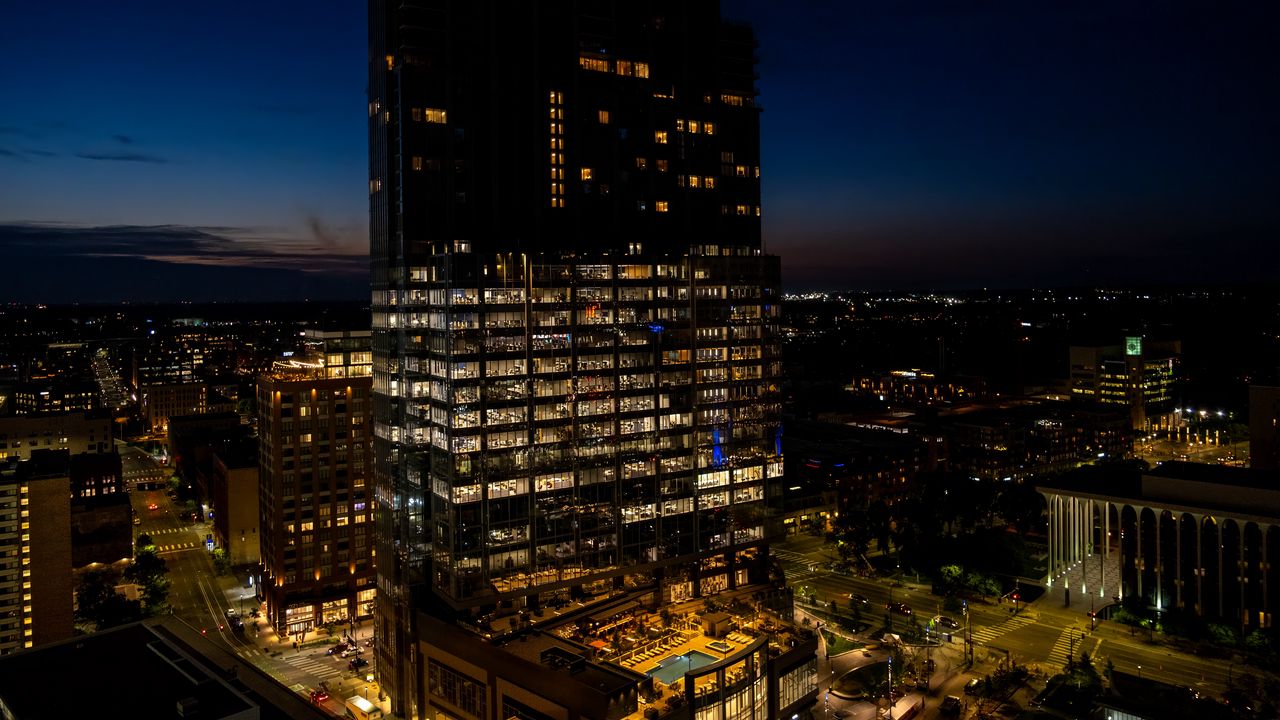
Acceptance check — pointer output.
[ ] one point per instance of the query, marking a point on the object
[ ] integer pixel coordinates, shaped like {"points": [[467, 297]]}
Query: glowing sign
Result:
{"points": [[1133, 346]]}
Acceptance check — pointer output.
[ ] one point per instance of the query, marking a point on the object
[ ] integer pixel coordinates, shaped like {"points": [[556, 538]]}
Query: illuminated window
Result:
{"points": [[693, 126], [680, 124], [375, 185], [709, 183], [757, 211], [744, 209], [603, 117], [642, 70], [557, 98], [586, 173], [661, 206], [695, 181], [416, 114], [757, 171], [740, 170], [709, 128], [593, 63], [623, 67], [416, 162], [662, 165], [642, 163], [435, 115], [660, 137]]}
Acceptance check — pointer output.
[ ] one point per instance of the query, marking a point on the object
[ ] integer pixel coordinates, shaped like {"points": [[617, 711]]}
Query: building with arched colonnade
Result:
{"points": [[1182, 535]]}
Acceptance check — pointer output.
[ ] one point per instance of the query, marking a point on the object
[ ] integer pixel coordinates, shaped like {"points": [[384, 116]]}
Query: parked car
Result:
{"points": [[951, 705], [319, 696], [971, 687], [231, 612], [351, 651]]}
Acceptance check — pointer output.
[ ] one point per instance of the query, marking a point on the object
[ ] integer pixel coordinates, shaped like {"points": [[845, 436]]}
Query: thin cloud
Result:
{"points": [[12, 154], [39, 153], [123, 157], [227, 247], [122, 139]]}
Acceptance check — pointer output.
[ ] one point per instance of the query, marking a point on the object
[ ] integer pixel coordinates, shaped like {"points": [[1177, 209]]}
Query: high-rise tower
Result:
{"points": [[576, 357]]}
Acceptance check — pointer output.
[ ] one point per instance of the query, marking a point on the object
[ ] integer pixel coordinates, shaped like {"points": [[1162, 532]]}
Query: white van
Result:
{"points": [[361, 709]]}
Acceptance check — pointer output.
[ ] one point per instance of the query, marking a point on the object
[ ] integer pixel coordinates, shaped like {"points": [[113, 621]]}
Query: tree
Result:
{"points": [[144, 542], [951, 574], [221, 563], [150, 572], [1222, 634], [98, 602]]}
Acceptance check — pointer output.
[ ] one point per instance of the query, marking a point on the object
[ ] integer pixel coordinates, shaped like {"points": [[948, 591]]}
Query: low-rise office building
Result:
{"points": [[1182, 535]]}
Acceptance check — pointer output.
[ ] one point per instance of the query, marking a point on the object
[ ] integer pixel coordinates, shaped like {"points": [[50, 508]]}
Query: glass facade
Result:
{"points": [[570, 429]]}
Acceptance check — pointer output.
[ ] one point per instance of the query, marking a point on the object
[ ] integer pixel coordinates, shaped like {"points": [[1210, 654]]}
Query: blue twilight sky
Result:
{"points": [[163, 151]]}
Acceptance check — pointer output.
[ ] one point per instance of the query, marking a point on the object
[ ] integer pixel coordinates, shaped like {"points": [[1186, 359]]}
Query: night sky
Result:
{"points": [[201, 151]]}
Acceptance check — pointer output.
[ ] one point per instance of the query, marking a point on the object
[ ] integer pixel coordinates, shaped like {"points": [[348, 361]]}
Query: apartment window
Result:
{"points": [[416, 114], [603, 117], [660, 137], [662, 165], [435, 115], [593, 63], [586, 173], [641, 163], [661, 206], [417, 162]]}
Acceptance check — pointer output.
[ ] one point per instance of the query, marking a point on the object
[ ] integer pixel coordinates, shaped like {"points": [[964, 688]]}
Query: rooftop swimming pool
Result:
{"points": [[672, 668]]}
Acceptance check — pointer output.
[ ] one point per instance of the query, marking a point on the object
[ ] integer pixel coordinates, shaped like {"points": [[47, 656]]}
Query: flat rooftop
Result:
{"points": [[1193, 486], [149, 669]]}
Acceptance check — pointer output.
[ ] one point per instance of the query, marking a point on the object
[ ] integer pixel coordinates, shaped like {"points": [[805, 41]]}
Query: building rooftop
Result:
{"points": [[1192, 486], [174, 671]]}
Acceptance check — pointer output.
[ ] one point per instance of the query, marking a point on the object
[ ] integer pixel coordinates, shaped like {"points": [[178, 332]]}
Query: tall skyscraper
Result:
{"points": [[575, 346]]}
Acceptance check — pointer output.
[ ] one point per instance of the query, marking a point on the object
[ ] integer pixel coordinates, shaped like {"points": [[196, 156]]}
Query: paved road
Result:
{"points": [[1042, 635], [201, 598], [140, 469]]}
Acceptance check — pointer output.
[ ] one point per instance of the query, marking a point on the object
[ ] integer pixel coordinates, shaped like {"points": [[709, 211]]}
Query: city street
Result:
{"points": [[201, 599], [1042, 636]]}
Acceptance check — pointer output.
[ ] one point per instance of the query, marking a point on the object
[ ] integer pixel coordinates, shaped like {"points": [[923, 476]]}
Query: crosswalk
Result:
{"points": [[153, 533], [1063, 648], [322, 667], [789, 556], [175, 547], [984, 635]]}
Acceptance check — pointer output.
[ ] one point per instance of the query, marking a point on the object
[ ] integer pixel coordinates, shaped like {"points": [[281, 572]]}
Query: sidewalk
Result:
{"points": [[275, 648]]}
